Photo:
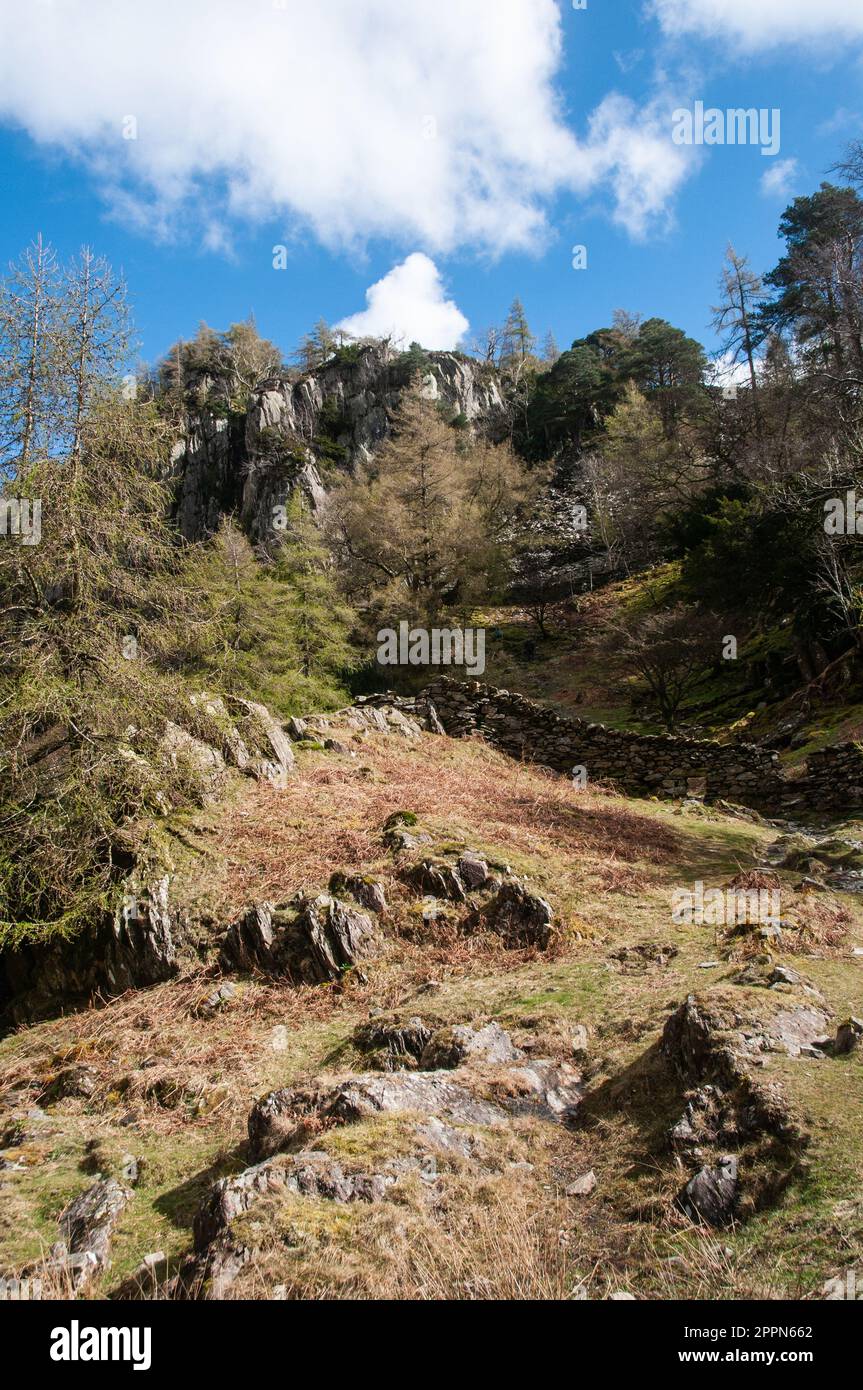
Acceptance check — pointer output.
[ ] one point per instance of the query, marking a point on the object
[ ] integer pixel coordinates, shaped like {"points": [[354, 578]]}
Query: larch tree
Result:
{"points": [[425, 527], [30, 371], [735, 317]]}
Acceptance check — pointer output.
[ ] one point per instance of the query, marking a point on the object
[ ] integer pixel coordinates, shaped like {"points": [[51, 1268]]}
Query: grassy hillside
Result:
{"points": [[578, 667], [155, 1076]]}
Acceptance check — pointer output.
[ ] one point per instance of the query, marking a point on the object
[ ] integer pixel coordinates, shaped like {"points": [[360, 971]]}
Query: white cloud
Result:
{"points": [[433, 122], [779, 178], [408, 304], [727, 372], [630, 149], [842, 120], [759, 24]]}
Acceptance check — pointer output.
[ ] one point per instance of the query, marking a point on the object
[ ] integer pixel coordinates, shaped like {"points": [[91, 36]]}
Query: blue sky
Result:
{"points": [[488, 136]]}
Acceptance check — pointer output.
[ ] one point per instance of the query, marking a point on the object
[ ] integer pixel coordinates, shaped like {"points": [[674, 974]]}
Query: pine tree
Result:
{"points": [[550, 349], [736, 315], [95, 335], [90, 633], [321, 620], [316, 347]]}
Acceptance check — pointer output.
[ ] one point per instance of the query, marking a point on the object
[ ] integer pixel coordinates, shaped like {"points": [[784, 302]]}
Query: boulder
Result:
{"points": [[250, 943], [549, 1089], [280, 1119], [438, 879], [583, 1186], [147, 930], [633, 959], [797, 1031], [401, 1041], [215, 707], [366, 891], [265, 732], [450, 1047], [400, 840], [180, 749], [87, 1227], [335, 745], [78, 1081], [849, 1037], [327, 938], [311, 1173], [432, 721], [135, 946], [520, 917], [706, 1036], [711, 1194], [473, 871], [215, 1001]]}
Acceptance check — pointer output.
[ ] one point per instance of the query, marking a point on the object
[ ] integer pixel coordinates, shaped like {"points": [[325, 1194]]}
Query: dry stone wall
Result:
{"points": [[646, 765]]}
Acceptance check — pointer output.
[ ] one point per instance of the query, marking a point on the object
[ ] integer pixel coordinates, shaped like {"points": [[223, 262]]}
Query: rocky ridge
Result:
{"points": [[293, 432]]}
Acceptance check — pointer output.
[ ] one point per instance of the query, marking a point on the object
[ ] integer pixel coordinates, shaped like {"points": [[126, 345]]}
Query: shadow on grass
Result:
{"points": [[179, 1204]]}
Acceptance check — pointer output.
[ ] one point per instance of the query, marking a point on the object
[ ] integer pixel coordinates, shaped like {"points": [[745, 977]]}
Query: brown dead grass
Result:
{"points": [[290, 841]]}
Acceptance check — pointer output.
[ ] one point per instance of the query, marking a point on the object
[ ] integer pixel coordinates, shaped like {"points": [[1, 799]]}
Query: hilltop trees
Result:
{"points": [[574, 398], [668, 367], [819, 282], [735, 317], [517, 342], [217, 366], [316, 347], [94, 337]]}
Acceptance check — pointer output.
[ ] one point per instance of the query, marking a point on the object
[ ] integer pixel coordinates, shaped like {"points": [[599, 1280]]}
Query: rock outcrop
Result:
{"points": [[294, 431], [283, 1118], [311, 1173], [711, 1194], [138, 946], [309, 940], [87, 1228]]}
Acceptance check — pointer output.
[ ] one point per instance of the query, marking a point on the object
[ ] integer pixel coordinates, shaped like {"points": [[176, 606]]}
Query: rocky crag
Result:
{"points": [[293, 433]]}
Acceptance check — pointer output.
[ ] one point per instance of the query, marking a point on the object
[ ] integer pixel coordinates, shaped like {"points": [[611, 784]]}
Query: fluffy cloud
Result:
{"points": [[779, 179], [758, 24], [433, 122], [629, 148], [409, 304], [727, 371]]}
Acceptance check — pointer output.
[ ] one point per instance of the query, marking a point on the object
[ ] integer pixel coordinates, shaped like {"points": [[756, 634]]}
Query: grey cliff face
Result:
{"points": [[296, 432]]}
